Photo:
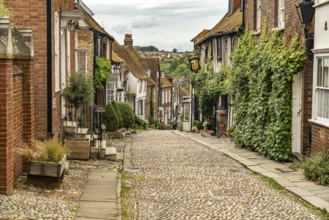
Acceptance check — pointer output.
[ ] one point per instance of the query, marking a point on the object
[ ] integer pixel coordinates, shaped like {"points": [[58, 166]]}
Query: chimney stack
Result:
{"points": [[128, 41]]}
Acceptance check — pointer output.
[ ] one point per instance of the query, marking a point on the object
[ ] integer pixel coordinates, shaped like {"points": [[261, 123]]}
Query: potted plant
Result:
{"points": [[78, 94], [46, 161]]}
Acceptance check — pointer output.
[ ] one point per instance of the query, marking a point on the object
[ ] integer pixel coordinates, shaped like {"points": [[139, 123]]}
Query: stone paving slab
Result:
{"points": [[99, 198], [293, 181]]}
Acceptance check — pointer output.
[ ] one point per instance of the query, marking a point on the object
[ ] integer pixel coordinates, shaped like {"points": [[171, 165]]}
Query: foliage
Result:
{"points": [[180, 126], [50, 150], [79, 92], [103, 68], [115, 107], [140, 123], [174, 50], [170, 65], [209, 85], [197, 124], [110, 118], [128, 116], [261, 86], [158, 125], [316, 167], [151, 116], [147, 48], [4, 10], [181, 70]]}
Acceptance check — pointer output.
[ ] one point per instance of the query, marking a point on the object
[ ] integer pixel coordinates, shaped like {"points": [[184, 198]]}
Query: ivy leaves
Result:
{"points": [[103, 68], [209, 85], [261, 86]]}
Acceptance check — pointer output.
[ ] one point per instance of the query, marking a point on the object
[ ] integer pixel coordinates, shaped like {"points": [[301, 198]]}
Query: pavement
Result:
{"points": [[99, 198], [292, 180]]}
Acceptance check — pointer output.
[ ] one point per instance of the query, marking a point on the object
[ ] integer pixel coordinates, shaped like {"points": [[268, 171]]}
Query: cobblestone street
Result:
{"points": [[181, 179]]}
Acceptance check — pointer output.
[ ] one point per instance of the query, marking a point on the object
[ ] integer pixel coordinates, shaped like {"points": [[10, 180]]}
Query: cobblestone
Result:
{"points": [[30, 202], [181, 179]]}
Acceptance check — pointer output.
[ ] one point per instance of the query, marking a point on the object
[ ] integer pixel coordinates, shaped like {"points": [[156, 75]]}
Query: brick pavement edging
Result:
{"points": [[296, 185]]}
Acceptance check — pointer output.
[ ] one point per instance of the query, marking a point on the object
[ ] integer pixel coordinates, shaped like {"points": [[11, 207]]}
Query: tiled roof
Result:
{"points": [[165, 82], [92, 23], [150, 82], [131, 62], [116, 58], [153, 65], [200, 35], [229, 23]]}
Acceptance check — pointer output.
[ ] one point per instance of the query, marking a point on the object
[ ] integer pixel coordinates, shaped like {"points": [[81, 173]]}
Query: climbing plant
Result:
{"points": [[4, 10], [103, 68], [209, 85], [261, 86]]}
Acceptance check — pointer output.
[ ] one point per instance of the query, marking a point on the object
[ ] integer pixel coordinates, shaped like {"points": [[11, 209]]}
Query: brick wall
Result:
{"points": [[320, 138], [292, 28], [6, 127]]}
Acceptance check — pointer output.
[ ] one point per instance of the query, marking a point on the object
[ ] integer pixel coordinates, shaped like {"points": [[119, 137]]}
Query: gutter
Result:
{"points": [[49, 71]]}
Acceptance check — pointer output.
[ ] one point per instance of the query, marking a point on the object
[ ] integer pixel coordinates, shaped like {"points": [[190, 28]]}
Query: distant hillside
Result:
{"points": [[147, 48]]}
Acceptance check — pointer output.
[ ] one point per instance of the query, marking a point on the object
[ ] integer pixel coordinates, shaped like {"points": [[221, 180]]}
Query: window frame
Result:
{"points": [[140, 107], [281, 13], [219, 42], [258, 16], [315, 118], [78, 52], [56, 51], [109, 94]]}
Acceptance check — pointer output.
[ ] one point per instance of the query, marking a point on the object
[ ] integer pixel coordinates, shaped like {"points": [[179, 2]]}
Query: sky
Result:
{"points": [[165, 24]]}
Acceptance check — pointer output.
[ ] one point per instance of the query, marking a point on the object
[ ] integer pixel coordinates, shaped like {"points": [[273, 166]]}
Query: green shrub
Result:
{"points": [[158, 125], [197, 124], [110, 119], [127, 114], [316, 167], [114, 105], [180, 126], [140, 123]]}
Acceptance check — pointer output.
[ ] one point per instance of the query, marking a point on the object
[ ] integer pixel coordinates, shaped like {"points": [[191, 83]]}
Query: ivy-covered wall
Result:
{"points": [[261, 83]]}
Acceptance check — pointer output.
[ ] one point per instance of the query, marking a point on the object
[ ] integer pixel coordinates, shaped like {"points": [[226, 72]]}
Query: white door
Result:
{"points": [[296, 112]]}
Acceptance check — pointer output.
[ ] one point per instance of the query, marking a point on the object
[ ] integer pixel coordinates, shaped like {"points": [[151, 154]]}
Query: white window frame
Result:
{"points": [[258, 14], [56, 51], [144, 87], [110, 96], [80, 52], [162, 100], [281, 13], [169, 96], [315, 118], [68, 51]]}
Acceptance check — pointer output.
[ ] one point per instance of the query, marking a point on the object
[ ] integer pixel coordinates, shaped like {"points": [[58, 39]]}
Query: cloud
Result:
{"points": [[122, 29], [146, 23]]}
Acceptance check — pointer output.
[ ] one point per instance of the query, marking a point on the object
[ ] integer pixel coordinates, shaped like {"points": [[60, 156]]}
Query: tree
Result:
{"points": [[79, 92], [103, 68], [174, 50]]}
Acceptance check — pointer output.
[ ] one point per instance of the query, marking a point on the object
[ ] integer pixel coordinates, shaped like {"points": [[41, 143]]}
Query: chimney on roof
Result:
{"points": [[128, 41]]}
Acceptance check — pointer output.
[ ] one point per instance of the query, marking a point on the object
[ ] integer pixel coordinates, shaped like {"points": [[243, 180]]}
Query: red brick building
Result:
{"points": [[34, 77], [282, 15]]}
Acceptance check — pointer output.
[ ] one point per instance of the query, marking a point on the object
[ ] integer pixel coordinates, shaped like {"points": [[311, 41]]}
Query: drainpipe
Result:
{"points": [[49, 71]]}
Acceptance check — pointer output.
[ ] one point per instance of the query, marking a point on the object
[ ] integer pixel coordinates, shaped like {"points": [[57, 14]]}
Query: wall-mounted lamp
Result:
{"points": [[71, 26], [306, 12]]}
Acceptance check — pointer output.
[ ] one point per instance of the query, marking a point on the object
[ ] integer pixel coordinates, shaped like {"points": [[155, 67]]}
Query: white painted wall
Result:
{"points": [[321, 35]]}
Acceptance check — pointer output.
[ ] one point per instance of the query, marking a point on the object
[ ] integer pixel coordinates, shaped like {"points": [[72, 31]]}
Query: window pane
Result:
{"points": [[325, 72], [82, 62], [323, 103], [319, 74]]}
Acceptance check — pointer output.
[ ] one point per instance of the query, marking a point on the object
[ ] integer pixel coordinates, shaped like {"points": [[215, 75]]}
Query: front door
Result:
{"points": [[296, 112]]}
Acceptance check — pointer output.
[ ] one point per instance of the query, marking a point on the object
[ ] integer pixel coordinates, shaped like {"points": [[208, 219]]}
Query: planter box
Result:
{"points": [[79, 148], [43, 173]]}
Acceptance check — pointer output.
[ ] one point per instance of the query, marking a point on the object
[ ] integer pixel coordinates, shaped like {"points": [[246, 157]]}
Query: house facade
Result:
{"points": [[165, 113], [280, 15], [320, 111], [215, 48], [51, 50]]}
